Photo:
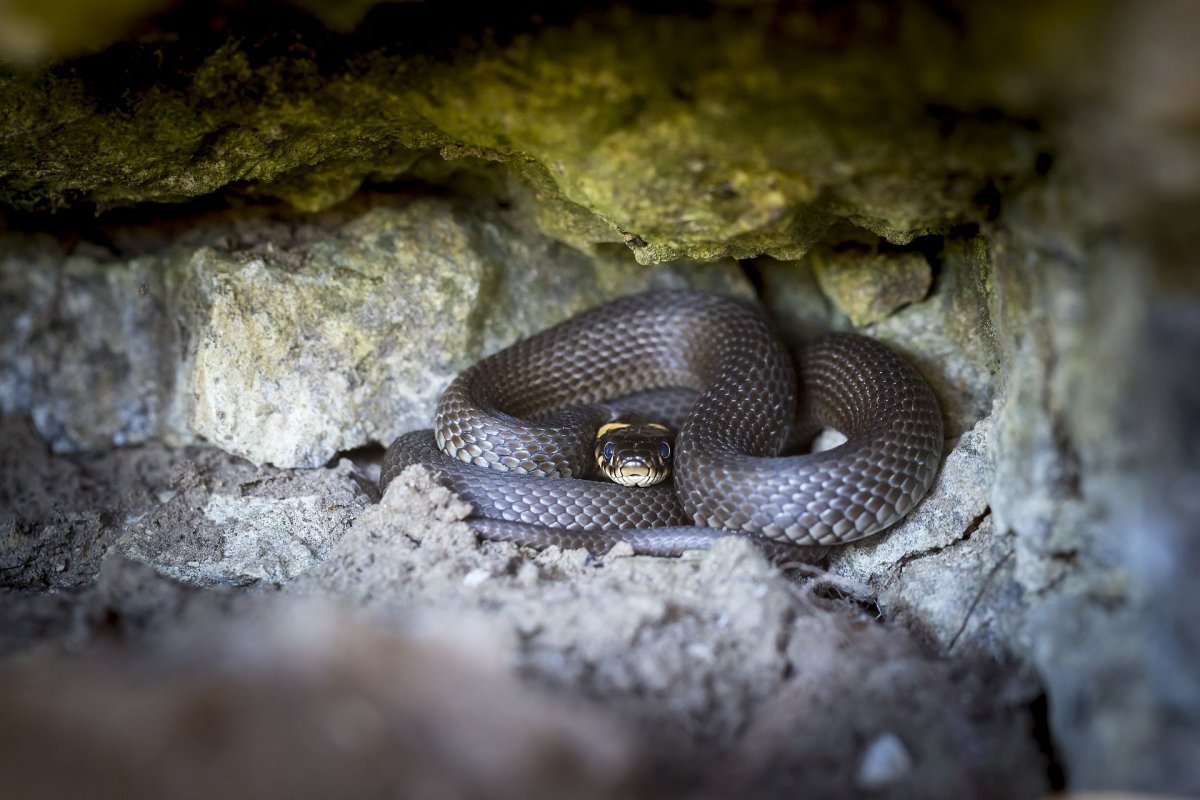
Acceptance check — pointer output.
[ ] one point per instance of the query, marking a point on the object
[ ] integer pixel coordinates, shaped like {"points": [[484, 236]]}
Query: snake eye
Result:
{"points": [[664, 451], [607, 452]]}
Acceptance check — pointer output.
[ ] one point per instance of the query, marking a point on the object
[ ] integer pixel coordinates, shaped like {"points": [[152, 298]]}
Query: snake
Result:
{"points": [[515, 434]]}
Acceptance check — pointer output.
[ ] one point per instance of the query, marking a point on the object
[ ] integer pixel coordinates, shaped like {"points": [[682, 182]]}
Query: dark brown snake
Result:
{"points": [[514, 430]]}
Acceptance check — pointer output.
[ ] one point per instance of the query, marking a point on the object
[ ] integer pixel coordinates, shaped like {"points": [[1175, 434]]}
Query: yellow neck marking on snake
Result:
{"points": [[616, 426], [611, 426]]}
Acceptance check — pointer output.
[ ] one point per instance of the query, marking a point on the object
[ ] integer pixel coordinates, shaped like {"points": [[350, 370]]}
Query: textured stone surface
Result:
{"points": [[868, 286], [85, 349], [199, 515], [945, 568], [294, 363], [244, 524], [286, 350], [1103, 527], [1097, 440], [752, 133]]}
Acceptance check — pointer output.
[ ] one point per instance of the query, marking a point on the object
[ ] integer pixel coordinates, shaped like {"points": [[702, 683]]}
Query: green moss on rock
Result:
{"points": [[730, 136]]}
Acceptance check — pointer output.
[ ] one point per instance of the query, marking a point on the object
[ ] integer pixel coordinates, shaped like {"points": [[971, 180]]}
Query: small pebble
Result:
{"points": [[528, 575], [885, 761], [475, 577]]}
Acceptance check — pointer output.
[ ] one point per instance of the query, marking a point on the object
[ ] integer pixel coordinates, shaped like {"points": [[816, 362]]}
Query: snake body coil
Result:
{"points": [[514, 431]]}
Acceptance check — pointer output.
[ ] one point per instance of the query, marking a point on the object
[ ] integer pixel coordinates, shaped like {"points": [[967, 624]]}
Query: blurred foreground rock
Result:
{"points": [[299, 700]]}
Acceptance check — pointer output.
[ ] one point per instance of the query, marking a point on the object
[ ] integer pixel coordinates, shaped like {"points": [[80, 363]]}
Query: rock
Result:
{"points": [[945, 569], [1097, 445], [1095, 454], [790, 122], [868, 286], [199, 515], [293, 364], [884, 762], [86, 348], [950, 337], [243, 523], [287, 354], [349, 706]]}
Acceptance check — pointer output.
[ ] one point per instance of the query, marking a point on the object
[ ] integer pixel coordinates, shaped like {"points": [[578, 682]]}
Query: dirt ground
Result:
{"points": [[380, 648]]}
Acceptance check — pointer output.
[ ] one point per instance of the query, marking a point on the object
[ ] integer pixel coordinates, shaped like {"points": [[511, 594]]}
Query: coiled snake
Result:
{"points": [[514, 431]]}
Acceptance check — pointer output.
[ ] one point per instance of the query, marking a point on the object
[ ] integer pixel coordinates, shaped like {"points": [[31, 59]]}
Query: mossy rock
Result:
{"points": [[740, 134]]}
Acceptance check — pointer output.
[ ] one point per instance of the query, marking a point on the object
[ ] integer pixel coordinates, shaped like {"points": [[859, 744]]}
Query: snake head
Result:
{"points": [[634, 454]]}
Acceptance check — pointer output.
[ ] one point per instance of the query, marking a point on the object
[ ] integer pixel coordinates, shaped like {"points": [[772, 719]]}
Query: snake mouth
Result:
{"points": [[635, 473]]}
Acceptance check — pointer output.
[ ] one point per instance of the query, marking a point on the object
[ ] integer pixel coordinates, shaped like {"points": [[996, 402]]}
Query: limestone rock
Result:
{"points": [[244, 524], [950, 337], [86, 346], [287, 354], [1096, 459], [945, 568], [294, 363], [868, 286]]}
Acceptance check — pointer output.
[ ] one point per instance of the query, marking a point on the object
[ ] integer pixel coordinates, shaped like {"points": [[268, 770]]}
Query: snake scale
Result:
{"points": [[514, 431]]}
